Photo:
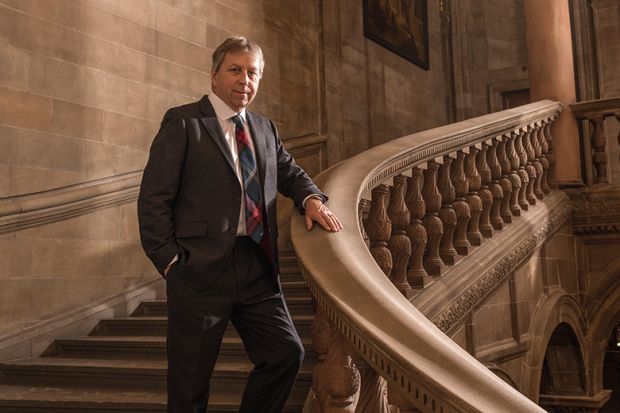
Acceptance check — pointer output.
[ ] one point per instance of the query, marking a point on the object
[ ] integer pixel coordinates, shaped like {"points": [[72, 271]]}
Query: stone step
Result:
{"points": [[156, 326], [297, 306], [143, 347], [228, 378], [26, 399]]}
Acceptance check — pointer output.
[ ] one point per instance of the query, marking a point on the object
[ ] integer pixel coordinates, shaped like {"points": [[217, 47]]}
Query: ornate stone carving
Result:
{"points": [[473, 198], [550, 154], [485, 194], [416, 274], [399, 243], [447, 213], [379, 229], [472, 297], [463, 213], [431, 222], [373, 395], [599, 157], [336, 380]]}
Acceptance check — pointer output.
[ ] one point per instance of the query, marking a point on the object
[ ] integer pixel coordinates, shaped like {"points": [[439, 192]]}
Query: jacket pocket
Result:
{"points": [[191, 229]]}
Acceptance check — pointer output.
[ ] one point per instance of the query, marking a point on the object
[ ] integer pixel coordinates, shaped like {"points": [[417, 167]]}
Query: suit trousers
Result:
{"points": [[246, 293]]}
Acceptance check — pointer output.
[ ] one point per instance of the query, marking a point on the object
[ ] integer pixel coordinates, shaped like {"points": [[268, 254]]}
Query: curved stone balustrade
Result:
{"points": [[435, 196], [596, 111]]}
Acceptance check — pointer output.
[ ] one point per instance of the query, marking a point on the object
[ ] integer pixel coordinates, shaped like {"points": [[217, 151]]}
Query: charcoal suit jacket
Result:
{"points": [[190, 196]]}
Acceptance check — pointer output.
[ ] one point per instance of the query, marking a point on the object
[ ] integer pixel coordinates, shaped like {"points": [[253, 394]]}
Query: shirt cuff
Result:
{"points": [[175, 259], [319, 197]]}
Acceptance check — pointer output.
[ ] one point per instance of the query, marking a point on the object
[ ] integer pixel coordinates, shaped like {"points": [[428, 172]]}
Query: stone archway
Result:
{"points": [[604, 310], [553, 310], [563, 375]]}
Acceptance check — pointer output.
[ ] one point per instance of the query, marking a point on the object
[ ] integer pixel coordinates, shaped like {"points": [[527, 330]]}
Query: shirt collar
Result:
{"points": [[222, 110]]}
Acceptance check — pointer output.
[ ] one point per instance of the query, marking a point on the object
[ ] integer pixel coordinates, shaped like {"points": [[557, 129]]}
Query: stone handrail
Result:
{"points": [[486, 170], [595, 112], [25, 211]]}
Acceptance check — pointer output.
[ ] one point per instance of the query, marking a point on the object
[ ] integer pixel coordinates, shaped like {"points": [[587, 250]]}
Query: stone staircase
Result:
{"points": [[121, 365]]}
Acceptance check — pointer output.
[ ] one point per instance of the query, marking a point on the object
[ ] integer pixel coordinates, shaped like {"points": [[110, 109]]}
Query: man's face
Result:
{"points": [[236, 81]]}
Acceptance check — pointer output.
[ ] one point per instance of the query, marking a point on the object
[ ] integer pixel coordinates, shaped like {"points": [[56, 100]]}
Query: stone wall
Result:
{"points": [[510, 331], [489, 53], [84, 84], [83, 87]]}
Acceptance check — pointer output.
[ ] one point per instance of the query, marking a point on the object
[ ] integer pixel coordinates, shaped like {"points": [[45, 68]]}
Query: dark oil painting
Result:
{"points": [[399, 25]]}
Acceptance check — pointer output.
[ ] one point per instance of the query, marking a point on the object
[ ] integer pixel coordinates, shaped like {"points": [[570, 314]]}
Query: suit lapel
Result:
{"points": [[212, 124], [259, 134]]}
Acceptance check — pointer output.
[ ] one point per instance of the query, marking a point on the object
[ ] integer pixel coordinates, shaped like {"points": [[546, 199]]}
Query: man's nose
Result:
{"points": [[244, 78]]}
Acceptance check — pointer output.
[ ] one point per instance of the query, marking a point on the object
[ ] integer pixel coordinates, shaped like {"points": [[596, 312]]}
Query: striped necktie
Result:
{"points": [[251, 183]]}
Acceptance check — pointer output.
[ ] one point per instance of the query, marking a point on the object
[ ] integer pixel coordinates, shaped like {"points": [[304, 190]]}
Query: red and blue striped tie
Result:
{"points": [[251, 183]]}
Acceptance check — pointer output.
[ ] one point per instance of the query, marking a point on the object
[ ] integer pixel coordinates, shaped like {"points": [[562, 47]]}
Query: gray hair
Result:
{"points": [[237, 44]]}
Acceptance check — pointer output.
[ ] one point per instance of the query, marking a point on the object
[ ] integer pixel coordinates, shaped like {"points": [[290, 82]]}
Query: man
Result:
{"points": [[207, 216]]}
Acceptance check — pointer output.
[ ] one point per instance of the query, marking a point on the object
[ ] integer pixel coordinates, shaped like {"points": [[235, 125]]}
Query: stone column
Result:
{"points": [[550, 63]]}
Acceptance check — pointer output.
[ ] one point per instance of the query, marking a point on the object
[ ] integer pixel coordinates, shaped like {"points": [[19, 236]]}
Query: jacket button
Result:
{"points": [[233, 231]]}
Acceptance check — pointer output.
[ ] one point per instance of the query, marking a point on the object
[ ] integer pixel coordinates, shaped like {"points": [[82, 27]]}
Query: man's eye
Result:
{"points": [[252, 73], [235, 70]]}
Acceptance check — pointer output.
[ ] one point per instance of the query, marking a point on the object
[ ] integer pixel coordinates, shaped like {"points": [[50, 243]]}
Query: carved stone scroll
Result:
{"points": [[379, 229], [431, 222], [416, 274], [447, 213], [498, 194], [399, 243], [336, 380], [473, 198], [485, 194], [373, 390], [463, 213]]}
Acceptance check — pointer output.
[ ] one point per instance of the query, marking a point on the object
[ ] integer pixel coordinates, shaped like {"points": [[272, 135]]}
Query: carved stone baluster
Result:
{"points": [[485, 194], [416, 274], [535, 140], [473, 198], [494, 186], [335, 379], [463, 213], [399, 243], [529, 167], [550, 153], [379, 228], [431, 222], [599, 157], [544, 160], [525, 179], [447, 213], [514, 177], [504, 181]]}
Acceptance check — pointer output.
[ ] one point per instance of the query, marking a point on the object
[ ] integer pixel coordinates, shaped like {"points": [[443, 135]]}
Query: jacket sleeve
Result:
{"points": [[158, 191], [293, 182]]}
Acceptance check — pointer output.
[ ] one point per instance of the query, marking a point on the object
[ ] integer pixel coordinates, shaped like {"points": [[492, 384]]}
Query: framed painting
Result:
{"points": [[400, 26]]}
